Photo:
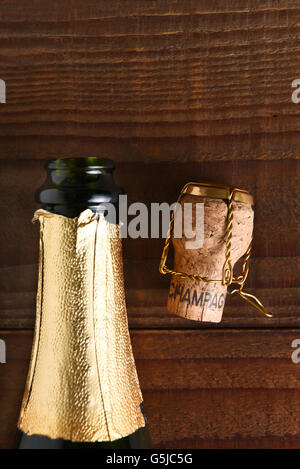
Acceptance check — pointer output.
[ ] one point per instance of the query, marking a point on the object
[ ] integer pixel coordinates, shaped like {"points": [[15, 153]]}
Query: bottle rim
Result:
{"points": [[90, 162]]}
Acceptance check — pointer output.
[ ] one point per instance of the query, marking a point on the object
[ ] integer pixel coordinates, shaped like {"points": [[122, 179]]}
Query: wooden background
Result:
{"points": [[173, 91]]}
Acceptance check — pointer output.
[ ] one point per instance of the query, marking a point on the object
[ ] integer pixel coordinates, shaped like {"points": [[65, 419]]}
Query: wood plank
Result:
{"points": [[246, 379], [274, 185], [274, 272], [252, 146], [214, 344], [74, 10], [147, 292], [147, 309], [163, 81], [242, 443], [144, 275], [242, 414]]}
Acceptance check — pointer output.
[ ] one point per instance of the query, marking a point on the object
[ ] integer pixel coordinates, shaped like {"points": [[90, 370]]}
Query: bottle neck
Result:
{"points": [[75, 184]]}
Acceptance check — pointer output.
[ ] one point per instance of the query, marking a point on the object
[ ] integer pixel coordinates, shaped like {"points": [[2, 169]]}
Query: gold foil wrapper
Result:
{"points": [[82, 383]]}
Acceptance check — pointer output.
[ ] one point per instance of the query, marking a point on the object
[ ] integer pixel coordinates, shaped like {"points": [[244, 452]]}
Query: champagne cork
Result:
{"points": [[200, 300]]}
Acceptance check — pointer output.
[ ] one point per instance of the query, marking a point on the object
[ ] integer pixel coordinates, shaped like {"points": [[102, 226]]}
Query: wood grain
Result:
{"points": [[172, 91], [201, 388], [215, 77], [274, 272], [274, 185], [147, 296]]}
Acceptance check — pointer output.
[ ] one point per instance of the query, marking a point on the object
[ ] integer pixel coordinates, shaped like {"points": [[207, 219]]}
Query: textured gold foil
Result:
{"points": [[82, 383]]}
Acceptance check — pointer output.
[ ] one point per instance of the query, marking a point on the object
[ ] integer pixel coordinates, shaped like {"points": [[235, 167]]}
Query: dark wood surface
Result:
{"points": [[172, 91], [125, 77]]}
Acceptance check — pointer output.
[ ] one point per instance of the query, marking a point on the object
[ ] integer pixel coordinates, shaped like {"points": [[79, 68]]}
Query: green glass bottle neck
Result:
{"points": [[75, 184]]}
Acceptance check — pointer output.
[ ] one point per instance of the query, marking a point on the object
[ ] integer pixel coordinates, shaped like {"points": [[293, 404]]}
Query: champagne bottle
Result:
{"points": [[82, 390]]}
